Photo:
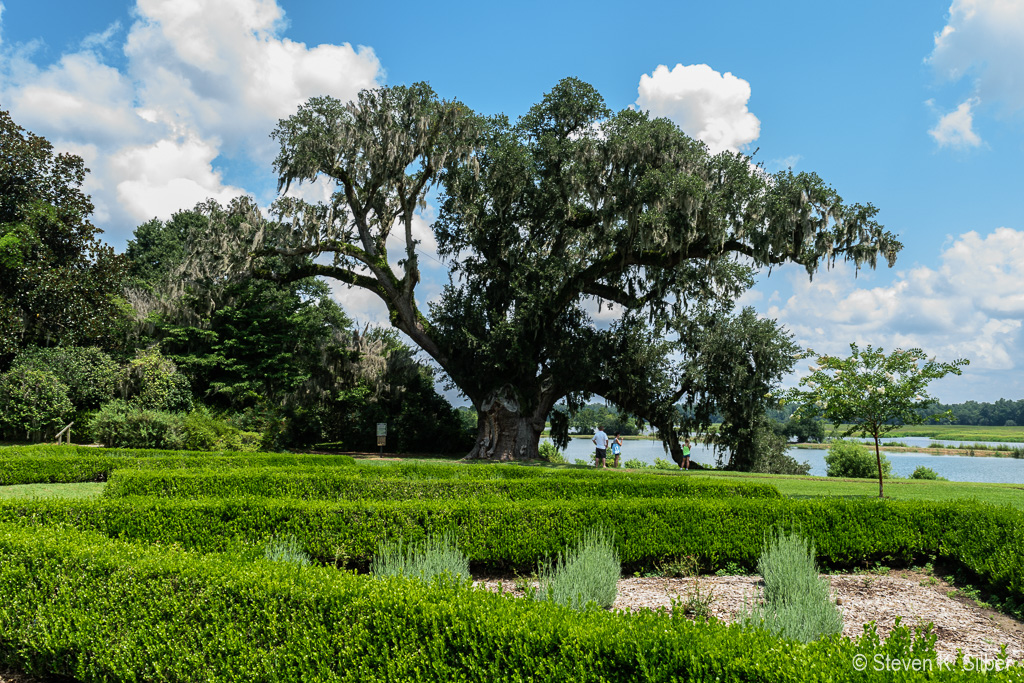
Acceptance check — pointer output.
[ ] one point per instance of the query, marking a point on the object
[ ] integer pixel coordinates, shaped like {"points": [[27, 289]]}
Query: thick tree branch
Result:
{"points": [[321, 270], [609, 293], [616, 262], [332, 246]]}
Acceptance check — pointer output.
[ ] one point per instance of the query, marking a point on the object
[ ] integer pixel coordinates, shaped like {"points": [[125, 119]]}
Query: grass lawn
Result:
{"points": [[85, 490], [897, 489], [954, 432]]}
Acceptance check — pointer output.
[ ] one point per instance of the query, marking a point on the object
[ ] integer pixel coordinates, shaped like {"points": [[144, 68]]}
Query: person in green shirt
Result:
{"points": [[686, 456]]}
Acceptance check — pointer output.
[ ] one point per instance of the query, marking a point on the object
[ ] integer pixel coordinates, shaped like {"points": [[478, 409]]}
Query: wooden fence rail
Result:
{"points": [[61, 434]]}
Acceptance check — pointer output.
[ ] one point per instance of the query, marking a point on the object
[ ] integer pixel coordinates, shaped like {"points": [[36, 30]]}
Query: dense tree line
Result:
{"points": [[1003, 412], [284, 353], [123, 346], [59, 284], [586, 419]]}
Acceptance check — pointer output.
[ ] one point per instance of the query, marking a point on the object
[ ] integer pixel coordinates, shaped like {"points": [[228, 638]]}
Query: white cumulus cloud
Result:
{"points": [[706, 104], [970, 306], [981, 48], [956, 129], [204, 83], [159, 179], [983, 40]]}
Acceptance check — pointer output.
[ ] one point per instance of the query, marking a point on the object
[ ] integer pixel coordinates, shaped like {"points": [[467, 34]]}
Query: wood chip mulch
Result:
{"points": [[918, 598]]}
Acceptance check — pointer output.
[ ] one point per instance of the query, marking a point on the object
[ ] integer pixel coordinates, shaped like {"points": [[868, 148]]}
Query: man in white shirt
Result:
{"points": [[601, 441]]}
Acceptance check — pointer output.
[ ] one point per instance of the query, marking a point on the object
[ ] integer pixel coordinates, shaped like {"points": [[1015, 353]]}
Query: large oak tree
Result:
{"points": [[542, 220]]}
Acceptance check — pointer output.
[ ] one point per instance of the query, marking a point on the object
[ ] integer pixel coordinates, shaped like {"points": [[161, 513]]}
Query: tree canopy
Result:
{"points": [[571, 208], [281, 353], [59, 284]]}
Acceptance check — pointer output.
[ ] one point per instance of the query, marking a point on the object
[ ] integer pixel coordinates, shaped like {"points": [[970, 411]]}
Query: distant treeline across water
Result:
{"points": [[1002, 413]]}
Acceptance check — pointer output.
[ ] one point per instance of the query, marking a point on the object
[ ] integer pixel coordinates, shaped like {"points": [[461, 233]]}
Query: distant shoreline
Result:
{"points": [[965, 434], [968, 452]]}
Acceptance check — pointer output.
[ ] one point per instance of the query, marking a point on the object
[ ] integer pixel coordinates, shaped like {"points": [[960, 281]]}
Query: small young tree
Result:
{"points": [[871, 392], [33, 404]]}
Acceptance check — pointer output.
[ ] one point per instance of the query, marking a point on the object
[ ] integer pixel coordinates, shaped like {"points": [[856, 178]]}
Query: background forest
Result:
{"points": [[118, 345]]}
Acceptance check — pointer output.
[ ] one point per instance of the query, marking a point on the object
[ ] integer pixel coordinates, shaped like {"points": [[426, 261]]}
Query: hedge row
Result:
{"points": [[98, 610], [347, 484], [45, 464], [985, 539], [43, 449], [98, 464]]}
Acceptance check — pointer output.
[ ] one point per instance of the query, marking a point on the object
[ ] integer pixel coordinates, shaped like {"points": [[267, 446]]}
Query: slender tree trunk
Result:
{"points": [[878, 457]]}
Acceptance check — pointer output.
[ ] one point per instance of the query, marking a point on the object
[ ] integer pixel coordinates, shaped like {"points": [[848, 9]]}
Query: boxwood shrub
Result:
{"points": [[984, 539], [82, 606], [97, 464], [350, 484]]}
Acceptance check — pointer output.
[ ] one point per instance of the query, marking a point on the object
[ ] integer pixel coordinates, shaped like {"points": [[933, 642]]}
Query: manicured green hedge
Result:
{"points": [[352, 484], [98, 610], [45, 464], [70, 450], [60, 469], [97, 464], [985, 539]]}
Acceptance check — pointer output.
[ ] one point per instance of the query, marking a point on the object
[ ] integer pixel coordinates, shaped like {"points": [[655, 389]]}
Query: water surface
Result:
{"points": [[952, 467]]}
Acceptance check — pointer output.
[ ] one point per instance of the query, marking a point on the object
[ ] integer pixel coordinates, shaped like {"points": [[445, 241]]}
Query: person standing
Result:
{"points": [[686, 456], [616, 449], [601, 442]]}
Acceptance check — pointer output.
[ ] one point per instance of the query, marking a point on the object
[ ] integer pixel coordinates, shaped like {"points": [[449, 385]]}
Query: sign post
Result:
{"points": [[382, 435]]}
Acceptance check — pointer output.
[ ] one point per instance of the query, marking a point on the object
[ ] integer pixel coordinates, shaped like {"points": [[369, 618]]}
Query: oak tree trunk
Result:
{"points": [[671, 440], [504, 434]]}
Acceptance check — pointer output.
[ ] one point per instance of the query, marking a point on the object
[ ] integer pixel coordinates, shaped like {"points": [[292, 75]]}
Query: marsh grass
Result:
{"points": [[953, 432], [434, 556], [586, 573], [795, 602], [1013, 451]]}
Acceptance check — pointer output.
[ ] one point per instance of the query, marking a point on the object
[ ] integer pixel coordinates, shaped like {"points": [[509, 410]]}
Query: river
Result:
{"points": [[952, 467]]}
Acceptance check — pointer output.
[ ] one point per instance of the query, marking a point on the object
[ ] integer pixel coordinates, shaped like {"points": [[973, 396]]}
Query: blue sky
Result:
{"points": [[916, 107]]}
